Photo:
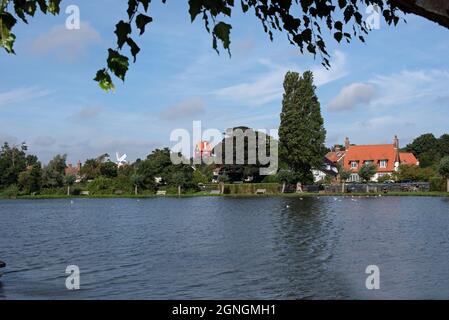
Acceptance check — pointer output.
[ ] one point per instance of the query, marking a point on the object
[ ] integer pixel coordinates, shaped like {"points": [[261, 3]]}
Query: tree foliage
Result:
{"points": [[443, 168], [367, 171], [303, 22], [429, 149], [408, 172], [301, 132], [13, 160], [247, 163]]}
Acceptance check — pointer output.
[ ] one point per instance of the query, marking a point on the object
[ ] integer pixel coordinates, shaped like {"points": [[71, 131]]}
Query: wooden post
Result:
{"points": [[179, 190], [68, 190], [283, 187], [135, 189], [447, 185]]}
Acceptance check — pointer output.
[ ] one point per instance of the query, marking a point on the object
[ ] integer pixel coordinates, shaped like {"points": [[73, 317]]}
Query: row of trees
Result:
{"points": [[23, 173], [429, 149]]}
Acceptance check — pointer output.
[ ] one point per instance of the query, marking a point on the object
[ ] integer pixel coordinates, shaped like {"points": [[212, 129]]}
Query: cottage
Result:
{"points": [[385, 157]]}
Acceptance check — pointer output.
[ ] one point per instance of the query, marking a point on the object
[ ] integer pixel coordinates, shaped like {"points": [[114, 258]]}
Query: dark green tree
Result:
{"points": [[367, 171], [426, 149], [138, 181], [13, 161], [247, 163], [443, 145], [108, 169], [53, 174], [443, 170], [69, 180], [301, 133], [30, 180], [286, 177]]}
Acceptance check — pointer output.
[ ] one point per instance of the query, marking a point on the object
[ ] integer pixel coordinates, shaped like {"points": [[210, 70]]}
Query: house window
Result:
{"points": [[353, 164], [354, 177], [367, 162], [383, 163]]}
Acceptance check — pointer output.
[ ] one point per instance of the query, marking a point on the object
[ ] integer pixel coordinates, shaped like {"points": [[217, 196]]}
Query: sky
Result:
{"points": [[395, 83]]}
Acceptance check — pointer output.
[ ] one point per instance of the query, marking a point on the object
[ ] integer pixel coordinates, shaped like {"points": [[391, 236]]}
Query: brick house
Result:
{"points": [[386, 158]]}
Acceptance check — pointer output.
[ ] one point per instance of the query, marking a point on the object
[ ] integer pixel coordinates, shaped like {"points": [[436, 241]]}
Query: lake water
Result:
{"points": [[225, 248]]}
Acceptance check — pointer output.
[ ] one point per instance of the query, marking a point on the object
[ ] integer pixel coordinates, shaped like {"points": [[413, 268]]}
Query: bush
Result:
{"points": [[54, 191], [384, 178], [11, 192], [270, 179], [101, 186], [437, 184], [251, 188]]}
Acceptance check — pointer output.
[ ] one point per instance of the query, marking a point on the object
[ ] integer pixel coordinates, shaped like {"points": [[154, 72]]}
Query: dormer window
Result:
{"points": [[367, 162], [383, 163], [354, 164]]}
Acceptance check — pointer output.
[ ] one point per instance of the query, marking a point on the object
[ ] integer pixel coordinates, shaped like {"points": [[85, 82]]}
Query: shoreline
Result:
{"points": [[199, 194]]}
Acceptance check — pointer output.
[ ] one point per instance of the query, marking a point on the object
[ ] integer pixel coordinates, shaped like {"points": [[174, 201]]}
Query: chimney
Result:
{"points": [[347, 143], [396, 142], [397, 159]]}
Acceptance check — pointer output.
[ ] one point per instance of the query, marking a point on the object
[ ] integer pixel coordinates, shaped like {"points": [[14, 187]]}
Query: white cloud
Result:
{"points": [[66, 45], [187, 108], [21, 95], [87, 113], [44, 141], [352, 96], [409, 86], [394, 90], [267, 87]]}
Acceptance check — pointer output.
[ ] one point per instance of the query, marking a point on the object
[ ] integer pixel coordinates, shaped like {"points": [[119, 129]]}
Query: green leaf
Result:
{"points": [[122, 30], [7, 38], [104, 80], [342, 3], [118, 64], [145, 3], [338, 25], [42, 5], [8, 43], [141, 21], [195, 7], [53, 6], [134, 48], [338, 36], [132, 8], [222, 31]]}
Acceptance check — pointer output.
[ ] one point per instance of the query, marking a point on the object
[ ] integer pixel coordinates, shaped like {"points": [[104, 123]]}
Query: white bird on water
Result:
{"points": [[71, 202]]}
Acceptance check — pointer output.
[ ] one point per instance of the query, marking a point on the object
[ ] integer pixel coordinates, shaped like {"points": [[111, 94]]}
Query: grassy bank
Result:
{"points": [[206, 194]]}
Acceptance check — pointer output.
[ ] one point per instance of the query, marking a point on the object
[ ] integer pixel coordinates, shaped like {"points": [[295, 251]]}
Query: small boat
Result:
{"points": [[2, 265]]}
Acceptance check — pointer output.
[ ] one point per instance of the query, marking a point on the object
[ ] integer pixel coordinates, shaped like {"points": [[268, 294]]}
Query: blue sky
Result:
{"points": [[395, 83]]}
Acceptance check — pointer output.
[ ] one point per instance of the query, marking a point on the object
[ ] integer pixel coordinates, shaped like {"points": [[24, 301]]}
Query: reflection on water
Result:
{"points": [[223, 248]]}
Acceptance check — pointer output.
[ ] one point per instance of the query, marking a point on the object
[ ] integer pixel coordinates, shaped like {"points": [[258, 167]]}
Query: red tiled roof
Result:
{"points": [[335, 156], [408, 158], [332, 156], [72, 171], [374, 153]]}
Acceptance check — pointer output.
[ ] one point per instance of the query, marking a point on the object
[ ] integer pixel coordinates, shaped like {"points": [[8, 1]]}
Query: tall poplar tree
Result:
{"points": [[301, 133]]}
